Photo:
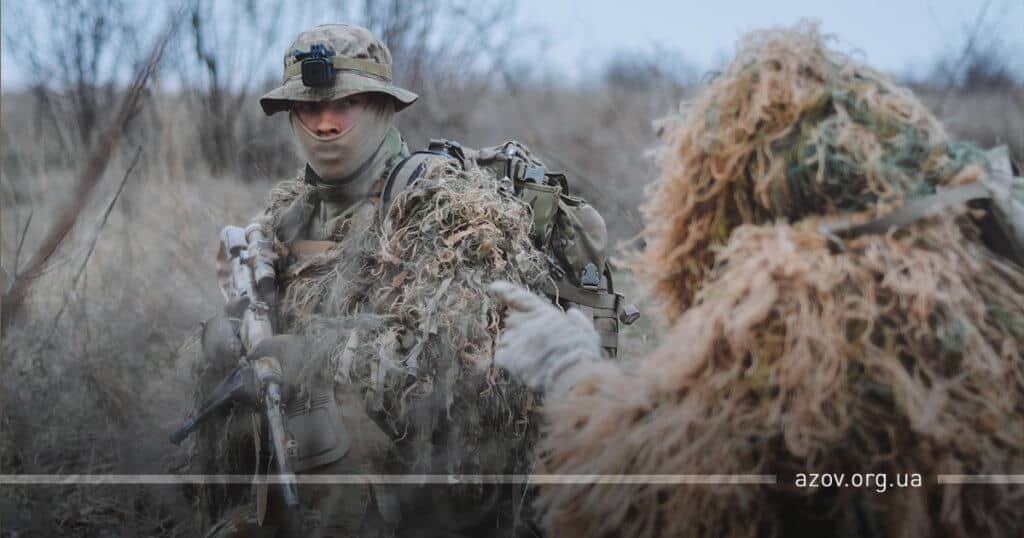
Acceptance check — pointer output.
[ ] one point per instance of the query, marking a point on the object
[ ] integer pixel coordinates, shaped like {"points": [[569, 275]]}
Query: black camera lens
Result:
{"points": [[317, 72]]}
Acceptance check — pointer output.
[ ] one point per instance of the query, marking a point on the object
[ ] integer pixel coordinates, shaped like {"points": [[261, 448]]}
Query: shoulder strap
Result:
{"points": [[911, 212], [406, 172]]}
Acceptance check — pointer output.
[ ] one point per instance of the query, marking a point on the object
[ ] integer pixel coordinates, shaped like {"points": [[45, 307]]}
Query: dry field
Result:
{"points": [[96, 367]]}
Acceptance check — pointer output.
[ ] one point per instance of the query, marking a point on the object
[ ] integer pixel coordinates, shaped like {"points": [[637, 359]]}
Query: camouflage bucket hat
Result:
{"points": [[361, 64]]}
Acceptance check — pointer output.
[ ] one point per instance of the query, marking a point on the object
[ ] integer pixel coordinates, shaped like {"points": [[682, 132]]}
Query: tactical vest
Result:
{"points": [[566, 228]]}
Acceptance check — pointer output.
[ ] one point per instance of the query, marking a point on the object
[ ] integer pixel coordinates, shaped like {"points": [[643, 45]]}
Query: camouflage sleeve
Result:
{"points": [[288, 208]]}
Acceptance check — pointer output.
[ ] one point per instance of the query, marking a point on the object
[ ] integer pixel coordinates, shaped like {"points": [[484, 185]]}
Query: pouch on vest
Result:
{"points": [[579, 240], [316, 432], [543, 200], [571, 232]]}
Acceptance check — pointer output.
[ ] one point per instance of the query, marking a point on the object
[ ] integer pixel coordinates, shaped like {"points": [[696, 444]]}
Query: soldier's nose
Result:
{"points": [[327, 125], [328, 129]]}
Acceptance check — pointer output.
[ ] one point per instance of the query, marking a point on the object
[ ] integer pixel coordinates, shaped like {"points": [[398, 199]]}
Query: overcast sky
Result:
{"points": [[902, 36], [894, 35]]}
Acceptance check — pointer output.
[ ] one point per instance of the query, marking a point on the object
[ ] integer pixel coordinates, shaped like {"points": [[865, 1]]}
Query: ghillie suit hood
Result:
{"points": [[790, 353]]}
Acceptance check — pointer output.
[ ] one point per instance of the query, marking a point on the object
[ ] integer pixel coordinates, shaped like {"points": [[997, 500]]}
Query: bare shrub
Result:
{"points": [[77, 54], [453, 53], [97, 389], [228, 42], [646, 70]]}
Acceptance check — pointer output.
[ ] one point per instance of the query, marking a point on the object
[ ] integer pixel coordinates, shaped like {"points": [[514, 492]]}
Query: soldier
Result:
{"points": [[341, 103], [798, 323]]}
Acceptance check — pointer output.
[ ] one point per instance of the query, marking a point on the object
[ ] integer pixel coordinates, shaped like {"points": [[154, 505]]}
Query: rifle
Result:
{"points": [[252, 276]]}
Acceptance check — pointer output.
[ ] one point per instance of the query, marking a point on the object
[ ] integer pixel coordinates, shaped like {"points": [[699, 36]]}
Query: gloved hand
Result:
{"points": [[221, 344], [546, 348], [222, 350], [292, 353]]}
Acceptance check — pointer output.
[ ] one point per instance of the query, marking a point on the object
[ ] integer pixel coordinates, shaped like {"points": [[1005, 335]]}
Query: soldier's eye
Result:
{"points": [[350, 102], [306, 108]]}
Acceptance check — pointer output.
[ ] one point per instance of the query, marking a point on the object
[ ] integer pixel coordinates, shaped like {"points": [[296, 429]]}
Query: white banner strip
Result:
{"points": [[409, 479], [981, 478]]}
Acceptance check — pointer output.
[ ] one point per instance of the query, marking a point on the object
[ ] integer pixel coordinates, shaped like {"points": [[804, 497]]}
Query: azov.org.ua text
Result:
{"points": [[877, 481]]}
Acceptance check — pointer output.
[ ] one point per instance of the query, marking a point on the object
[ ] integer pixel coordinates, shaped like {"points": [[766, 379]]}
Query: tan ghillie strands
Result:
{"points": [[402, 312], [399, 309], [898, 354], [788, 130]]}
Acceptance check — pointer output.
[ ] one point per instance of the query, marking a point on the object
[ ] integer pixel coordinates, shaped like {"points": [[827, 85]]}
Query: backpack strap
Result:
{"points": [[406, 172], [1003, 223], [409, 169], [911, 212]]}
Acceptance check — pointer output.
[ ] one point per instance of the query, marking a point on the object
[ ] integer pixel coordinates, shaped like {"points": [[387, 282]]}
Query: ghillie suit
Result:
{"points": [[382, 258], [413, 285], [792, 352], [394, 301], [399, 310]]}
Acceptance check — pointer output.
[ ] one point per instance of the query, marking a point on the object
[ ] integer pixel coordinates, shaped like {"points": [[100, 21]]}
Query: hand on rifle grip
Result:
{"points": [[221, 344], [290, 352]]}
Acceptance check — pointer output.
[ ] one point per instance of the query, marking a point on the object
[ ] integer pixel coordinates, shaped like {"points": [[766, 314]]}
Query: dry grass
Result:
{"points": [[93, 375]]}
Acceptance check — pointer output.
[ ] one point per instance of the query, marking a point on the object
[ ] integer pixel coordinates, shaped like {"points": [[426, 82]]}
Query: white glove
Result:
{"points": [[548, 349]]}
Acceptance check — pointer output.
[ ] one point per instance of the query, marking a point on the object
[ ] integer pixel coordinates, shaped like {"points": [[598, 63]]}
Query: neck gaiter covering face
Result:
{"points": [[336, 158]]}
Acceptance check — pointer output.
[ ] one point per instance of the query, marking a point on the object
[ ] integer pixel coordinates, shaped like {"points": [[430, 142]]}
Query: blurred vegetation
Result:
{"points": [[95, 368]]}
